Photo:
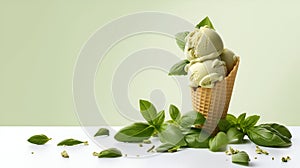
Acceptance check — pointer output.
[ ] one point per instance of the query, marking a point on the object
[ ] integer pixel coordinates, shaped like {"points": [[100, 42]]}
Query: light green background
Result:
{"points": [[40, 42]]}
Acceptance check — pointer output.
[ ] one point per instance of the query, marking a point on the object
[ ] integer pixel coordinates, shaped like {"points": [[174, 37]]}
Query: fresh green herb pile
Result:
{"points": [[182, 131]]}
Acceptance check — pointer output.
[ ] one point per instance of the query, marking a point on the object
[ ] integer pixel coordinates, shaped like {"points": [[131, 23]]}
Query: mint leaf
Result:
{"points": [[178, 68], [136, 132], [219, 142], [39, 139], [172, 135], [205, 22], [148, 111], [180, 39], [174, 113], [110, 153], [101, 132], [234, 135], [280, 128], [159, 119], [192, 118], [241, 158], [71, 142]]}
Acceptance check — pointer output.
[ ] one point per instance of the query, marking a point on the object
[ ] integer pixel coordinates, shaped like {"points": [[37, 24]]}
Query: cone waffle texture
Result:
{"points": [[213, 102]]}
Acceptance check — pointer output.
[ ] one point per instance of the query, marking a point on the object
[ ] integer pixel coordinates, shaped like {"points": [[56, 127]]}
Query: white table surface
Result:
{"points": [[15, 152]]}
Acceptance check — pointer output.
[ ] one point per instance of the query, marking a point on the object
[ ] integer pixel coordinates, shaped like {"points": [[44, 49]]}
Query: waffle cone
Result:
{"points": [[213, 103]]}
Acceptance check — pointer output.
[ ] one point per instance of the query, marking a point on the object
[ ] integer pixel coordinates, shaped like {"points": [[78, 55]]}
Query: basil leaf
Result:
{"points": [[180, 39], [166, 147], [110, 153], [172, 135], [174, 113], [192, 118], [178, 68], [136, 132], [224, 125], [219, 142], [276, 132], [159, 119], [241, 118], [249, 122], [267, 136], [148, 111], [241, 158], [195, 140], [71, 142], [205, 22], [231, 119], [280, 128], [102, 131], [39, 139], [234, 135]]}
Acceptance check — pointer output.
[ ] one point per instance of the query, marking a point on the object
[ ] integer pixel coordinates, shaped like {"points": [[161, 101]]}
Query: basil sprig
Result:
{"points": [[172, 132], [269, 135]]}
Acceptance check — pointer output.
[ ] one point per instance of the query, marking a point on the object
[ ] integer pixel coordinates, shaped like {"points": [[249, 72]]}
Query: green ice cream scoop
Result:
{"points": [[229, 58], [204, 44], [206, 74]]}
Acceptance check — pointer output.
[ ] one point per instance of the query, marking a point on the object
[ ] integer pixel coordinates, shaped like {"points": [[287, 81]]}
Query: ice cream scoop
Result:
{"points": [[229, 58], [203, 44], [207, 73]]}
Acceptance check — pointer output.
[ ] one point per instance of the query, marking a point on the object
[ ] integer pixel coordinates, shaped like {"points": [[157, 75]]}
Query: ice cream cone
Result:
{"points": [[213, 102]]}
